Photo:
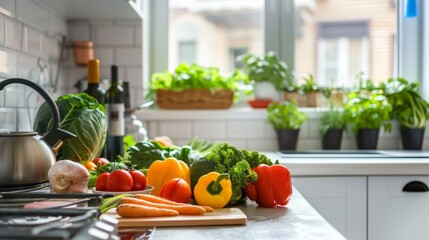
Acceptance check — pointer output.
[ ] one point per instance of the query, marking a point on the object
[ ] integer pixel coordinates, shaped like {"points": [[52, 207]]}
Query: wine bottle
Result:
{"points": [[94, 89], [115, 117], [93, 79]]}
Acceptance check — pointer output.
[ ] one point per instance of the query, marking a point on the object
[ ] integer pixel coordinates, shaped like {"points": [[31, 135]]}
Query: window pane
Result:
{"points": [[338, 39], [213, 33]]}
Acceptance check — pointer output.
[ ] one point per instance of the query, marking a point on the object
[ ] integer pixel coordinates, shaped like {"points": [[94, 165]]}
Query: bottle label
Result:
{"points": [[115, 119]]}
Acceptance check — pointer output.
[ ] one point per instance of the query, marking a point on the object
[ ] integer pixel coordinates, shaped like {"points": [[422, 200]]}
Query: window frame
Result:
{"points": [[278, 22]]}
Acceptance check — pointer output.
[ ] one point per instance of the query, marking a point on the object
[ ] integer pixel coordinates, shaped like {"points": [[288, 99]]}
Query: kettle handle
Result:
{"points": [[55, 133]]}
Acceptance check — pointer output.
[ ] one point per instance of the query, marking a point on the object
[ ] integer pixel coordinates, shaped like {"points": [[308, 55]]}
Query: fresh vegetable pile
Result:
{"points": [[213, 176]]}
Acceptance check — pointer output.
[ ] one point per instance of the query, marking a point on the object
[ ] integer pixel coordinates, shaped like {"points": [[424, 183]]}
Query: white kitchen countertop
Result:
{"points": [[365, 166]]}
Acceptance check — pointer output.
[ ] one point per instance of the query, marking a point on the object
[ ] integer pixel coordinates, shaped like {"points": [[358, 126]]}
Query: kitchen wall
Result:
{"points": [[30, 40], [248, 128], [30, 43]]}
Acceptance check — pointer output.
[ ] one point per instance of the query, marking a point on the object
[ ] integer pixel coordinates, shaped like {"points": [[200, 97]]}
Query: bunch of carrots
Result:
{"points": [[144, 205]]}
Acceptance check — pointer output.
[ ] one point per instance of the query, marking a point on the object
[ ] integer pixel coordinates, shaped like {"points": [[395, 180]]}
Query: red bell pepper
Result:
{"points": [[273, 187]]}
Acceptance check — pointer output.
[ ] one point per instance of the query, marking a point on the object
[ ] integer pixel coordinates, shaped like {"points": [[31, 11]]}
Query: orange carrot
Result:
{"points": [[157, 199], [135, 211], [182, 209]]}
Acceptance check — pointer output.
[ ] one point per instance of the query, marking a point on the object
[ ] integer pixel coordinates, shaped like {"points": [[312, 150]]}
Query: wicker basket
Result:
{"points": [[194, 99]]}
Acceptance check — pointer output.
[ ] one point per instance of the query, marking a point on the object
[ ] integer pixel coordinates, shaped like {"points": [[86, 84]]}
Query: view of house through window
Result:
{"points": [[339, 39], [336, 40], [214, 33]]}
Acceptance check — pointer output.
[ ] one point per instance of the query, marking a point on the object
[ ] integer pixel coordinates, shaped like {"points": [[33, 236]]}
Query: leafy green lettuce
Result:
{"points": [[82, 115]]}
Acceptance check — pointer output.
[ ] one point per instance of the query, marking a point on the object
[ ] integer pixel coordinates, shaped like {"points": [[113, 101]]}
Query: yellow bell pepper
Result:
{"points": [[161, 171], [213, 189]]}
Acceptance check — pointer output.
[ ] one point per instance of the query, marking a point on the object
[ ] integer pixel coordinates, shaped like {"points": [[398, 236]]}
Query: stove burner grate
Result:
{"points": [[24, 188]]}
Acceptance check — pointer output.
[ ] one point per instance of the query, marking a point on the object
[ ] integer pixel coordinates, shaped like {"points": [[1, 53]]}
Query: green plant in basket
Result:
{"points": [[370, 111], [193, 76], [285, 115]]}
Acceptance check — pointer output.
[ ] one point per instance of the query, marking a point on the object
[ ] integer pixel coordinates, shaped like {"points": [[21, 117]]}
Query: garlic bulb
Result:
{"points": [[66, 176]]}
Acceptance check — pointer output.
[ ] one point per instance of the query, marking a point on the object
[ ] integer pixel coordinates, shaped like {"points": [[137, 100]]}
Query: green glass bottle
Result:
{"points": [[93, 79], [115, 108], [94, 89]]}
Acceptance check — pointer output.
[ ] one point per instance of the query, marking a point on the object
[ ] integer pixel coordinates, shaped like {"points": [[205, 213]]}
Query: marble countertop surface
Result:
{"points": [[298, 220]]}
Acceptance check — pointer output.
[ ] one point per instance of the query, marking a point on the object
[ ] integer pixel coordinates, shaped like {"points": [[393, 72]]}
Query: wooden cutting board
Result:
{"points": [[224, 216]]}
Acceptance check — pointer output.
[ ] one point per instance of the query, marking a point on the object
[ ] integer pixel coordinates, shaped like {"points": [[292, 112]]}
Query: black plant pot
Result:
{"points": [[367, 139], [332, 139], [412, 138], [287, 138]]}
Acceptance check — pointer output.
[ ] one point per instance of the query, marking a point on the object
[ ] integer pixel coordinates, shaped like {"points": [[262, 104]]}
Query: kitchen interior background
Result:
{"points": [[30, 46]]}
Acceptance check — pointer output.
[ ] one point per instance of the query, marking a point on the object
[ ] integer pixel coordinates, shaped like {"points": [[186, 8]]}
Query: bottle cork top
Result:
{"points": [[93, 71]]}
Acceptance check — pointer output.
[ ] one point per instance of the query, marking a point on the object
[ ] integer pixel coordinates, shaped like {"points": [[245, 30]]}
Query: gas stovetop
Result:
{"points": [[35, 213]]}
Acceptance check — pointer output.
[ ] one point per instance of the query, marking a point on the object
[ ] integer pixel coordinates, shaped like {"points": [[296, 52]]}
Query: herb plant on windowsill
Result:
{"points": [[409, 109], [268, 74], [195, 87], [332, 124], [368, 113], [286, 120], [312, 91]]}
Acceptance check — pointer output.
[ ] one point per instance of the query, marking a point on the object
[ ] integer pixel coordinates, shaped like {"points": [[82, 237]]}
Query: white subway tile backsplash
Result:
{"points": [[13, 32], [15, 95], [32, 42], [129, 57], [7, 7], [262, 144], [210, 129], [105, 55], [388, 143], [8, 62], [25, 121], [245, 129], [57, 26], [32, 14], [176, 129], [114, 36], [2, 30], [269, 131], [313, 128], [105, 73], [80, 30], [135, 77], [308, 144], [8, 119], [152, 129], [138, 35], [27, 67], [137, 97]]}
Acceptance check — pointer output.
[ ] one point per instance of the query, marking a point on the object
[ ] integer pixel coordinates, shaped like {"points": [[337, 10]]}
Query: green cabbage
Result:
{"points": [[82, 115]]}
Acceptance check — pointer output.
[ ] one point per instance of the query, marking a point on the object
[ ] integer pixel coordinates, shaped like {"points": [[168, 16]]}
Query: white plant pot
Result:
{"points": [[264, 90]]}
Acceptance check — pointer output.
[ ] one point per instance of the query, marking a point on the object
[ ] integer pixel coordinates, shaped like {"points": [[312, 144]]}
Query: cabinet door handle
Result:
{"points": [[415, 186]]}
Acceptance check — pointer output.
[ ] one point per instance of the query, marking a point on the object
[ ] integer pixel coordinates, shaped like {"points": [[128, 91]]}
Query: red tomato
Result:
{"points": [[100, 183], [101, 160], [139, 180], [177, 190], [119, 181]]}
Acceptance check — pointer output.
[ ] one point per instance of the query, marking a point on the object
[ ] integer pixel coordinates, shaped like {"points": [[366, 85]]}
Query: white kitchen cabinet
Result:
{"points": [[342, 201], [395, 214]]}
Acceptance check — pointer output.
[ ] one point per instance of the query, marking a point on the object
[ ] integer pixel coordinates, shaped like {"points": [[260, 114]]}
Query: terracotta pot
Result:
{"points": [[337, 98], [82, 52], [300, 100], [314, 99]]}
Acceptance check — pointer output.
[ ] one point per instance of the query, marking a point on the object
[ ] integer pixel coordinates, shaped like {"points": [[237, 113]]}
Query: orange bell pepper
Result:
{"points": [[273, 187], [161, 171]]}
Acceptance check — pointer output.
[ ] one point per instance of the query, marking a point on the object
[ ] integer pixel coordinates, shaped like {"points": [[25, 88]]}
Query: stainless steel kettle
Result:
{"points": [[25, 157]]}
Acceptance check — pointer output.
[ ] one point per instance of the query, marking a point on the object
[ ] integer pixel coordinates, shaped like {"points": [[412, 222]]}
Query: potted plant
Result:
{"points": [[368, 113], [332, 123], [409, 109], [194, 87], [286, 120], [267, 73], [312, 92]]}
